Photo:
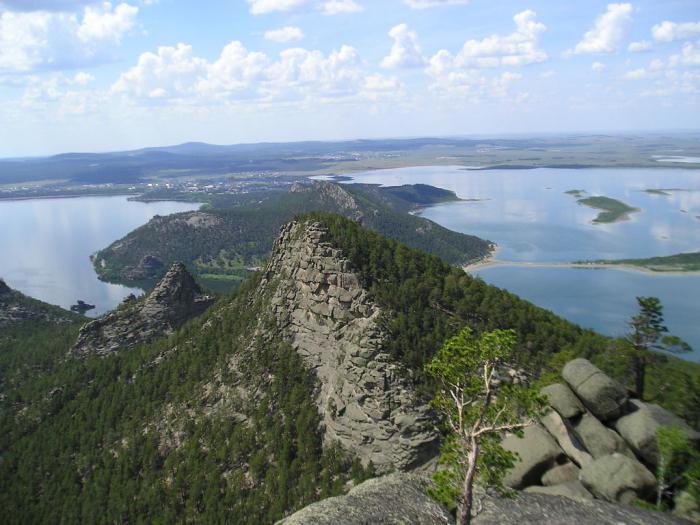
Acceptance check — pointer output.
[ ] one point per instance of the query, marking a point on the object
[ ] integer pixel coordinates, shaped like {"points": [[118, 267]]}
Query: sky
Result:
{"points": [[83, 75]]}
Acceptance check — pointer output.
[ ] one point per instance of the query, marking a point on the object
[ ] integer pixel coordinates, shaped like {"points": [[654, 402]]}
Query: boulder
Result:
{"points": [[563, 400], [560, 429], [598, 439], [618, 478], [639, 428], [537, 452], [571, 489], [543, 509], [393, 499], [603, 396], [561, 474]]}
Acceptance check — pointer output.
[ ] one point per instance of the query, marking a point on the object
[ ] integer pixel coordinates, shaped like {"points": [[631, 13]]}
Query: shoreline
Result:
{"points": [[492, 262]]}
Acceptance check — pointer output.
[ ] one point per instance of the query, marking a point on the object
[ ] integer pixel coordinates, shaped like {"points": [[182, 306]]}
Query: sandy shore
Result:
{"points": [[489, 262]]}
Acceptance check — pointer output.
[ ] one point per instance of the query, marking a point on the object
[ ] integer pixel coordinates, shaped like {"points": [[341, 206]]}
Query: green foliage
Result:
{"points": [[241, 236], [158, 433], [478, 409], [647, 333], [679, 466]]}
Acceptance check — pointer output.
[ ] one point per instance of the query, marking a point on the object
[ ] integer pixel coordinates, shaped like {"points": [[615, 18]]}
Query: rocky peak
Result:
{"points": [[4, 289], [365, 400], [175, 299]]}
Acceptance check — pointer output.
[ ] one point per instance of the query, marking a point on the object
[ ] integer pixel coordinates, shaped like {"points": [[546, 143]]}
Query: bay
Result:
{"points": [[46, 245], [533, 220]]}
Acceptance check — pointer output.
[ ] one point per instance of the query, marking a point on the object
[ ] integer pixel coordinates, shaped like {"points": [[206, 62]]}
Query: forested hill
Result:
{"points": [[223, 244], [221, 422]]}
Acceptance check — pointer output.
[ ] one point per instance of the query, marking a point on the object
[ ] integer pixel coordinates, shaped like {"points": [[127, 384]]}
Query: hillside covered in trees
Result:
{"points": [[222, 245], [220, 422]]}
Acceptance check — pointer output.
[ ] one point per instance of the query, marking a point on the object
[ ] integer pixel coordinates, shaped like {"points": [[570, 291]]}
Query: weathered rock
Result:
{"points": [[639, 428], [565, 436], [542, 509], [176, 299], [4, 289], [598, 439], [396, 499], [563, 400], [365, 399], [571, 489], [603, 396], [618, 478], [537, 452], [561, 474]]}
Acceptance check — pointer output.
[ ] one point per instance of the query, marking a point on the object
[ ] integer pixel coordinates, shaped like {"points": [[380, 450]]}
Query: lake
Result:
{"points": [[47, 243], [531, 218]]}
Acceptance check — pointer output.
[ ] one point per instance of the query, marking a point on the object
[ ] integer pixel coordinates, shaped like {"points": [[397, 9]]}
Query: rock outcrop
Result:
{"points": [[176, 299], [639, 426], [603, 396], [400, 499], [365, 400], [607, 442]]}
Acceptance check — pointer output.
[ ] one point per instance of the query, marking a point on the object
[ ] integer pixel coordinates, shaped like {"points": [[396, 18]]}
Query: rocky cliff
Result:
{"points": [[176, 299], [366, 403]]}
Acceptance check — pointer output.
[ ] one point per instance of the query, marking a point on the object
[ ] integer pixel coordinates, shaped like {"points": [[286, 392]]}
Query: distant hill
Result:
{"points": [[223, 245]]}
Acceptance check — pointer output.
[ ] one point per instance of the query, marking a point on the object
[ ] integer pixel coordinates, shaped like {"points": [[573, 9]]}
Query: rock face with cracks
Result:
{"points": [[365, 400], [175, 299]]}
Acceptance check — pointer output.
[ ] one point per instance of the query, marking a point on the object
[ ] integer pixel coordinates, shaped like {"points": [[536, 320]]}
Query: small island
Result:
{"points": [[681, 262], [576, 193], [657, 191], [613, 210]]}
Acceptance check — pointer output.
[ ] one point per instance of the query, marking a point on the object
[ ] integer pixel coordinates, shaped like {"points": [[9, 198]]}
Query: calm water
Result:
{"points": [[46, 244], [531, 218]]}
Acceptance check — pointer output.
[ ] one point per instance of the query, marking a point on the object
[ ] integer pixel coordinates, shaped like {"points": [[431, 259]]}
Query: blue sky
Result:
{"points": [[80, 75]]}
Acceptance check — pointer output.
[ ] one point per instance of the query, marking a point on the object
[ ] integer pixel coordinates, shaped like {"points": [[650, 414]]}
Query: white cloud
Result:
{"points": [[636, 74], [285, 34], [425, 4], [261, 7], [598, 67], [337, 7], [608, 32], [171, 72], [105, 23], [516, 49], [36, 40], [405, 52], [689, 56], [643, 45], [669, 31], [235, 72], [81, 78], [176, 75]]}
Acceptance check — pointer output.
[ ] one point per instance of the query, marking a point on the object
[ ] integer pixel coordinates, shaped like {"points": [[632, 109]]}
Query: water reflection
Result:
{"points": [[529, 215], [46, 244]]}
